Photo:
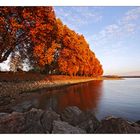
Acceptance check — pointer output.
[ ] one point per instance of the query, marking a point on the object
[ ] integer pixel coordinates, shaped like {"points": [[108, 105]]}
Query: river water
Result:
{"points": [[119, 98]]}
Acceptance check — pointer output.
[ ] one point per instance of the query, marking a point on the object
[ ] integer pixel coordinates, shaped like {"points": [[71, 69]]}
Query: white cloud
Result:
{"points": [[76, 17], [124, 27], [132, 15], [111, 35]]}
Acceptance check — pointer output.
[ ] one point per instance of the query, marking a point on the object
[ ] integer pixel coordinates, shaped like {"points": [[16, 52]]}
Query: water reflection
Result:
{"points": [[120, 98], [85, 96]]}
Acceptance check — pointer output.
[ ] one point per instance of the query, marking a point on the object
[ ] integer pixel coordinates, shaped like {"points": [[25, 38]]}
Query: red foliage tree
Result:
{"points": [[75, 56], [36, 34], [10, 24]]}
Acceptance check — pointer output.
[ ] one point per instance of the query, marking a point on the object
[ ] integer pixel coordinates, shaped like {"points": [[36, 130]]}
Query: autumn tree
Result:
{"points": [[8, 30], [24, 29], [43, 35], [75, 56], [36, 34], [13, 35]]}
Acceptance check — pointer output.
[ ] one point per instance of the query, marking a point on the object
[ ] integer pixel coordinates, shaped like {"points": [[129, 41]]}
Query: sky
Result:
{"points": [[113, 33]]}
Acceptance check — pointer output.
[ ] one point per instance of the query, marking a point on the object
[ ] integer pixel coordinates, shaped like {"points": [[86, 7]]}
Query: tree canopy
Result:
{"points": [[36, 34]]}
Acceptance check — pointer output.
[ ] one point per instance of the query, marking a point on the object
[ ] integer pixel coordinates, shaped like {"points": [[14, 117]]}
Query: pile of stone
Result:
{"points": [[71, 121]]}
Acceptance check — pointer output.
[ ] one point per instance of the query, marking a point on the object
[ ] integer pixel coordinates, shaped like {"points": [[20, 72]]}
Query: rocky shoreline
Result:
{"points": [[71, 121], [10, 90]]}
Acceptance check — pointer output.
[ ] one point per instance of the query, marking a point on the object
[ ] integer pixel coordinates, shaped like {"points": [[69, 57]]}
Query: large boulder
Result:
{"points": [[33, 121], [71, 115], [138, 122], [117, 126], [88, 121], [85, 120], [47, 119], [61, 127], [12, 123]]}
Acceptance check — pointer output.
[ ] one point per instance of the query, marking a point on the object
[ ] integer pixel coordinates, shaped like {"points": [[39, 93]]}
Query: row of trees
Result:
{"points": [[36, 35]]}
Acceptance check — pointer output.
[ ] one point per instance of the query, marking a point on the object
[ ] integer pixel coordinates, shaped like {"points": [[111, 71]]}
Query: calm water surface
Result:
{"points": [[120, 98]]}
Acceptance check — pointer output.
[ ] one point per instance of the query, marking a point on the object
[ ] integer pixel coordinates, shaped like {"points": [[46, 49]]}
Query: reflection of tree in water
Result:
{"points": [[85, 96]]}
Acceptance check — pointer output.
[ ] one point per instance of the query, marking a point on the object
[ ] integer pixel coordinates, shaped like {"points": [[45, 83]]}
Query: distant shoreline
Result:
{"points": [[130, 76], [116, 76]]}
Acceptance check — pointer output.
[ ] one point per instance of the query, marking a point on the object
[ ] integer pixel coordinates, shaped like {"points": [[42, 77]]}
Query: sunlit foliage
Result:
{"points": [[38, 36], [75, 56]]}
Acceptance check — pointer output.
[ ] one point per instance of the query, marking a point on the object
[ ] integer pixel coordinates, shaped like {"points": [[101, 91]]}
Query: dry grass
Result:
{"points": [[20, 76], [13, 84], [30, 76]]}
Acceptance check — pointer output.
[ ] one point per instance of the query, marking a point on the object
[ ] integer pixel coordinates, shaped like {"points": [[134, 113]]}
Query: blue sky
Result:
{"points": [[113, 33]]}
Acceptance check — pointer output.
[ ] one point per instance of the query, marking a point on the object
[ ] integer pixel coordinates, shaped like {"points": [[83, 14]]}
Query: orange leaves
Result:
{"points": [[51, 16], [15, 24], [43, 33], [45, 55], [55, 46], [27, 14], [2, 21], [60, 30], [39, 53], [74, 56], [49, 27], [80, 59], [63, 65], [11, 28], [39, 50], [49, 55], [66, 41]]}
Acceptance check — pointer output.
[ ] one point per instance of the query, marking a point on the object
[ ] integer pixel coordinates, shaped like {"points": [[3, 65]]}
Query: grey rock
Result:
{"points": [[136, 125], [12, 123], [33, 121], [24, 106], [71, 115], [61, 127], [47, 119], [138, 122], [116, 126], [88, 121], [16, 122], [84, 120], [3, 113]]}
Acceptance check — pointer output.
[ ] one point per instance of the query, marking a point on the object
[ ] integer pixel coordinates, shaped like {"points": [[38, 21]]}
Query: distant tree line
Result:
{"points": [[34, 36]]}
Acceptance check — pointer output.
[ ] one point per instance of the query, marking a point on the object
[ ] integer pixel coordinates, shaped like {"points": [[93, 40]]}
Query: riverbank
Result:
{"points": [[19, 86], [71, 121], [16, 85]]}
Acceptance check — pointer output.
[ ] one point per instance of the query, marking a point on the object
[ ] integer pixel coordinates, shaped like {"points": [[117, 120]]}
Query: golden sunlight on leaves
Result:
{"points": [[36, 34]]}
